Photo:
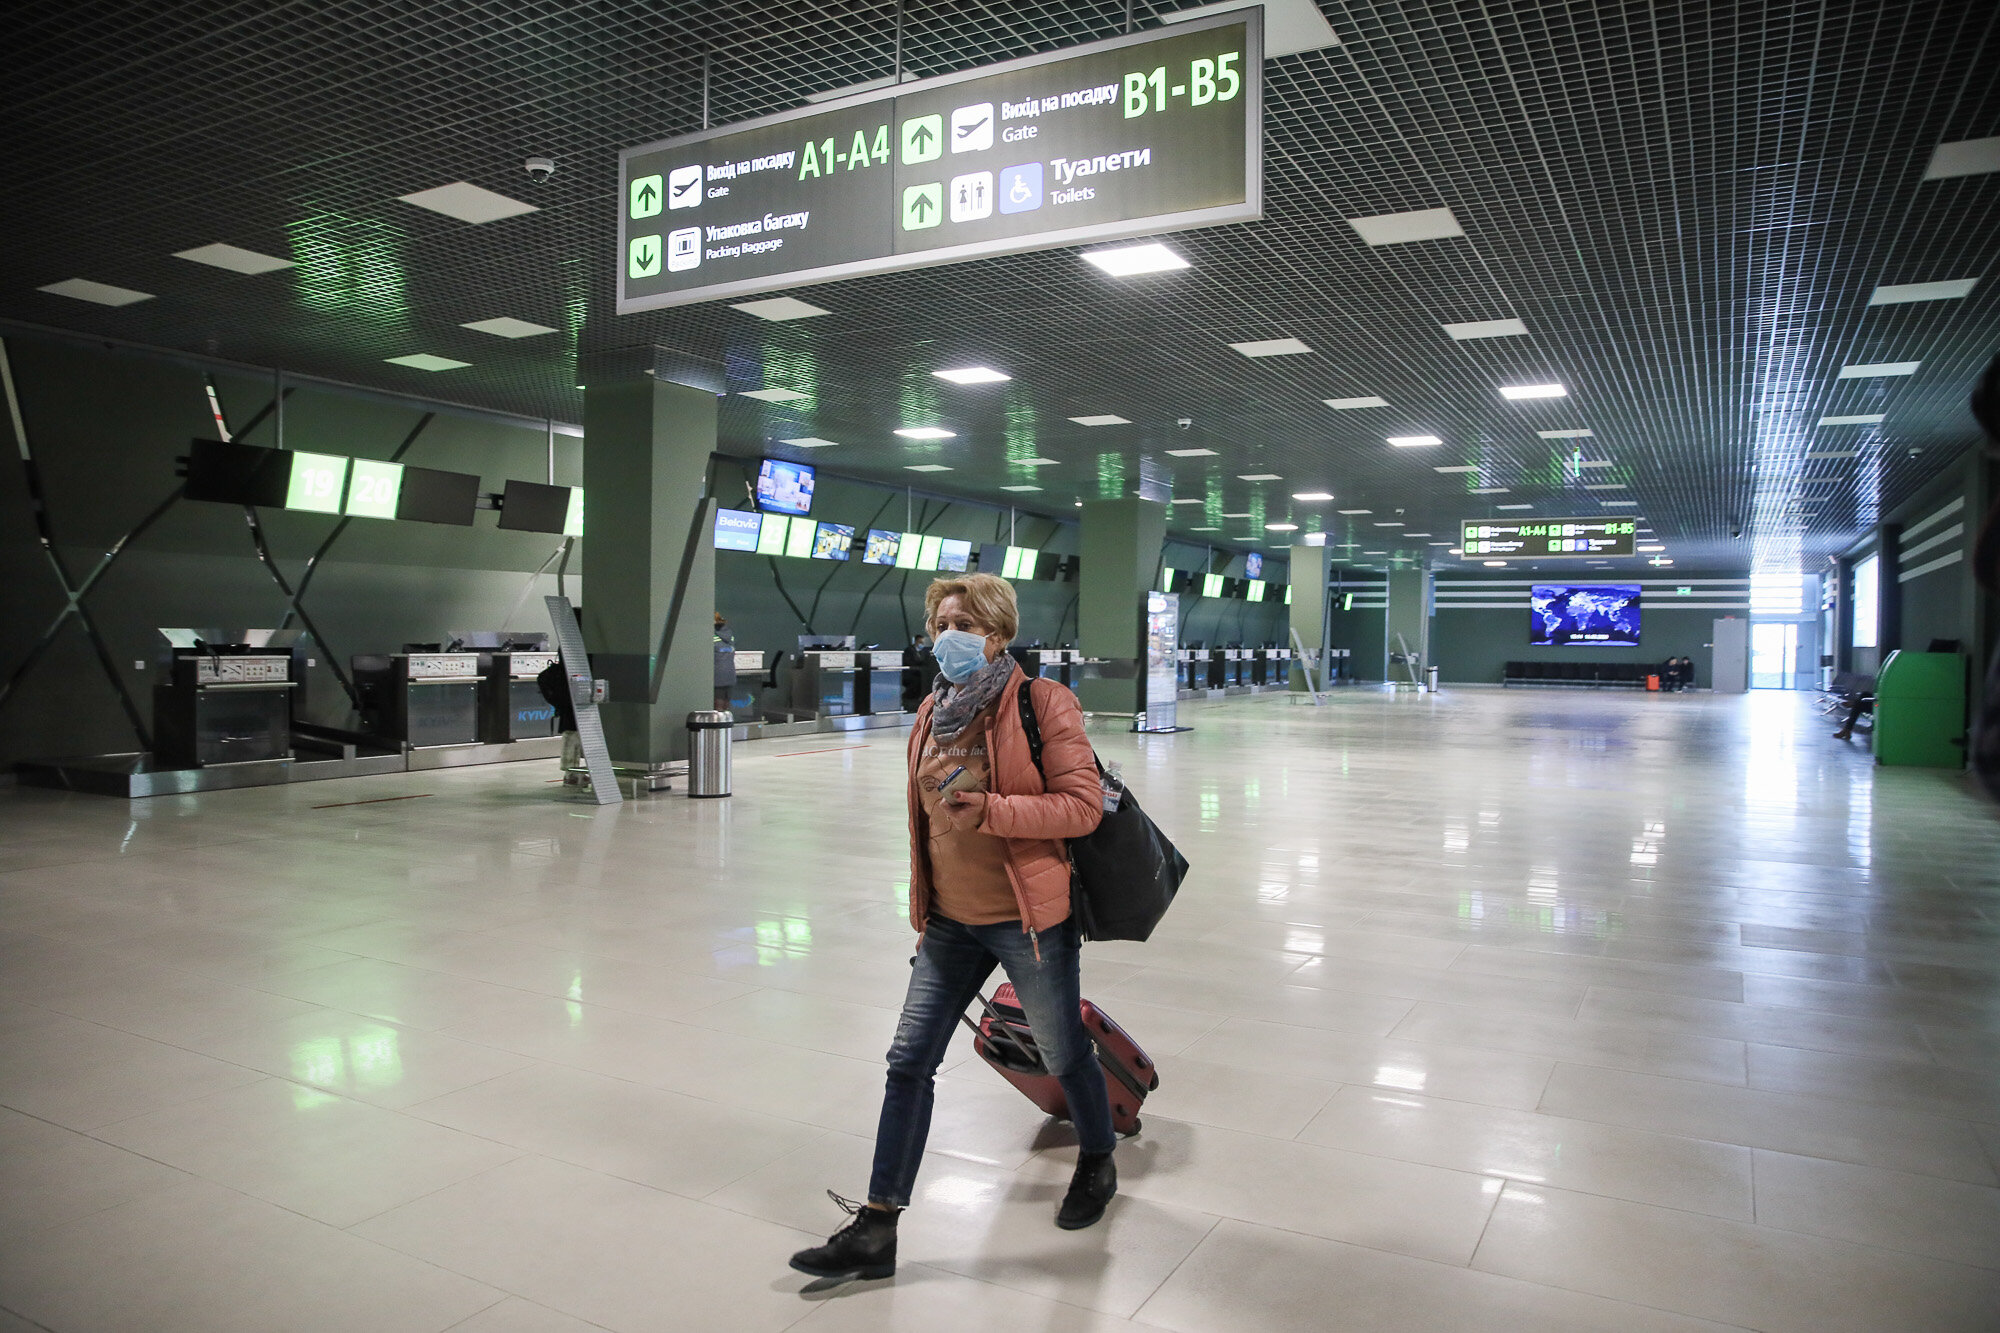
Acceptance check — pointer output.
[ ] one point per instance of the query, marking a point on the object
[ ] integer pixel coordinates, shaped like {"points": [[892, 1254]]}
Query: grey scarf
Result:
{"points": [[957, 705]]}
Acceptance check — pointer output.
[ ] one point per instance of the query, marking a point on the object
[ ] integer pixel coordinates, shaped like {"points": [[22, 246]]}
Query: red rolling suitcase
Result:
{"points": [[1004, 1041]]}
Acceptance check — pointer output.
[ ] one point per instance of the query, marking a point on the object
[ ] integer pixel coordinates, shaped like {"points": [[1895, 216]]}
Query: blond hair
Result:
{"points": [[988, 598]]}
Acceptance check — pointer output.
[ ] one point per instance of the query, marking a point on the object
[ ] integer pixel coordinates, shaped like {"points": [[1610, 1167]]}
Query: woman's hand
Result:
{"points": [[968, 802]]}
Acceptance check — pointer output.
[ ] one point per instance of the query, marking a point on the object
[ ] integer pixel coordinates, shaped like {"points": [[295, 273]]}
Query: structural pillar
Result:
{"points": [[648, 565], [1409, 616], [1123, 543], [1309, 567]]}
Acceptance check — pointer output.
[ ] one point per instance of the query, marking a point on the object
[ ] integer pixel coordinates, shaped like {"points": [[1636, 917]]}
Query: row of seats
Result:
{"points": [[1579, 673]]}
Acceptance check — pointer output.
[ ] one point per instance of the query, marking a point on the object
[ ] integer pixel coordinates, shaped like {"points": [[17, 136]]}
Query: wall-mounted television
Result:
{"points": [[1591, 615], [882, 548], [530, 506], [954, 556], [737, 529], [784, 487], [431, 496], [1253, 565], [833, 541]]}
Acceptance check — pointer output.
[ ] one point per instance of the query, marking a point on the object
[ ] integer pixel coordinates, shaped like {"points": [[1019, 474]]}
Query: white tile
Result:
{"points": [[205, 1259], [1579, 1041], [1461, 1073], [332, 1159], [82, 1075], [1944, 1219], [1263, 1280], [515, 1315], [1732, 1272], [382, 1064], [607, 1251], [50, 1175]]}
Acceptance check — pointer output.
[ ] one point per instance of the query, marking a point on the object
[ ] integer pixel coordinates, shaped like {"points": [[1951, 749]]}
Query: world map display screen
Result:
{"points": [[1604, 615]]}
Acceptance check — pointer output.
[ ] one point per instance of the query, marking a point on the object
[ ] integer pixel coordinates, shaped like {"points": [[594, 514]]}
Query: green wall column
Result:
{"points": [[1410, 616], [648, 430], [1308, 608], [1121, 551]]}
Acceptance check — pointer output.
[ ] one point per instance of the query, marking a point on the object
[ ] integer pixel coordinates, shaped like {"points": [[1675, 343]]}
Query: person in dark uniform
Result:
{"points": [[725, 663]]}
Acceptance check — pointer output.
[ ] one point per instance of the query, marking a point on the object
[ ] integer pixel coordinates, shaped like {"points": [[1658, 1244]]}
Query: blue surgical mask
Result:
{"points": [[959, 654]]}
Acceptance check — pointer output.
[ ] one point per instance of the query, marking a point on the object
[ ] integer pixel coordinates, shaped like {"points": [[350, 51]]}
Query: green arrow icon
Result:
{"points": [[923, 139], [645, 196], [644, 256], [923, 206]]}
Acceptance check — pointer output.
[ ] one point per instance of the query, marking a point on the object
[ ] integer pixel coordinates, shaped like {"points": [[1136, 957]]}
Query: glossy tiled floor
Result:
{"points": [[1482, 1011]]}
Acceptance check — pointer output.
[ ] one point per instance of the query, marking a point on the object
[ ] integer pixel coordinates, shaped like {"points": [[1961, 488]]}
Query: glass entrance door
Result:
{"points": [[1774, 655]]}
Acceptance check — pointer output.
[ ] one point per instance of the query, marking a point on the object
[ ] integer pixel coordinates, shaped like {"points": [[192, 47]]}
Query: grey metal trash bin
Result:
{"points": [[1430, 680], [708, 753]]}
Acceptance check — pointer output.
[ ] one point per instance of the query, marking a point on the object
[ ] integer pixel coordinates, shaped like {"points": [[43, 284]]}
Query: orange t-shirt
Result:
{"points": [[969, 881]]}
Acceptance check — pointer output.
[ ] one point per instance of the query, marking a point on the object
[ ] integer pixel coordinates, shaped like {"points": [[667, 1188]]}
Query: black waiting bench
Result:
{"points": [[1627, 674]]}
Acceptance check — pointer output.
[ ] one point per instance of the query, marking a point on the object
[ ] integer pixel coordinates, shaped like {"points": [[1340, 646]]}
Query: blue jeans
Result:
{"points": [[952, 964]]}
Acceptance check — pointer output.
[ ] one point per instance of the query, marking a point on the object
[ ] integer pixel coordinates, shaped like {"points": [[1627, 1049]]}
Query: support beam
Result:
{"points": [[1121, 551]]}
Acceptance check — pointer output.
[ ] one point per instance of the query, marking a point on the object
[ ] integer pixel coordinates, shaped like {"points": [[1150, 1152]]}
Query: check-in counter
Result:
{"points": [[827, 681], [1236, 669], [880, 687], [224, 705], [419, 699], [511, 706]]}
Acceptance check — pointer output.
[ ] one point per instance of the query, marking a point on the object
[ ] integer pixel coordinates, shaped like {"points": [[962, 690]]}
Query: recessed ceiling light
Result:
{"points": [[973, 375], [1861, 419], [1967, 157], [1417, 534], [468, 203], [1290, 26], [1271, 347], [1903, 292], [1659, 560], [1128, 260], [780, 307], [1880, 370], [772, 395], [1281, 527], [1514, 393], [1650, 550], [811, 442], [1458, 467], [1595, 462], [1236, 515], [1436, 543], [926, 467], [926, 433], [1374, 553], [1259, 476], [1833, 453], [1190, 502], [505, 327], [1426, 224], [1388, 523], [1192, 453], [1204, 529], [425, 361], [1312, 497], [1456, 551], [1103, 419], [234, 258], [1616, 503], [1604, 486], [1357, 511], [1513, 506], [1032, 462], [1020, 488], [1488, 490], [1494, 564], [1349, 404], [97, 293], [1564, 434], [1414, 441], [1485, 328]]}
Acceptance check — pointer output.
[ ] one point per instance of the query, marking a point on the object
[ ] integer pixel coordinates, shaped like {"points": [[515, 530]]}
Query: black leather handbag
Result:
{"points": [[1124, 876]]}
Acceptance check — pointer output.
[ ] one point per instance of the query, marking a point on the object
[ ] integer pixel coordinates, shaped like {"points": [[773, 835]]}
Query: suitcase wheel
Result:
{"points": [[1137, 1125]]}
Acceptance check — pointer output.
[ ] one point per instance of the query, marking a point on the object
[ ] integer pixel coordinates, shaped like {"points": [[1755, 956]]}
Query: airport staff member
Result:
{"points": [[989, 883], [725, 663]]}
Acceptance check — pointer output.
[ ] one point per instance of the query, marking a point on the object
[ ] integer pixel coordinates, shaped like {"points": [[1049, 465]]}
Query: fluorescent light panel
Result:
{"points": [[234, 258], [973, 375], [1513, 506], [1902, 293], [1414, 441], [1485, 328], [926, 467], [1488, 490], [772, 395], [1458, 467], [811, 442], [468, 203], [1349, 404], [1564, 434], [1967, 157], [1312, 497], [1271, 347], [1259, 476], [425, 361], [508, 327], [1128, 260], [1103, 419], [926, 433], [1357, 511], [1515, 393], [1192, 453], [1020, 488], [1879, 370], [1861, 419], [1281, 527], [1425, 224], [780, 307]]}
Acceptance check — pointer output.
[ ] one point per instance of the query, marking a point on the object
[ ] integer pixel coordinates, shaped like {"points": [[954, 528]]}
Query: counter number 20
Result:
{"points": [[1214, 80]]}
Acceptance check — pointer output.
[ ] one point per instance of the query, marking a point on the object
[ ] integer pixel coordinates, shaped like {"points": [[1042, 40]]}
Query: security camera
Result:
{"points": [[1185, 423], [1736, 532], [541, 168]]}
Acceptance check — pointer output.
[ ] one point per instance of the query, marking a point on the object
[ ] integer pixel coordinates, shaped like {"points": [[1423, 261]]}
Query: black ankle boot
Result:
{"points": [[1095, 1181], [865, 1247]]}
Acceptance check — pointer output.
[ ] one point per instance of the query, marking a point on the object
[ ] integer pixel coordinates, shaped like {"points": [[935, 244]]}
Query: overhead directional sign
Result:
{"points": [[1127, 137], [1551, 538]]}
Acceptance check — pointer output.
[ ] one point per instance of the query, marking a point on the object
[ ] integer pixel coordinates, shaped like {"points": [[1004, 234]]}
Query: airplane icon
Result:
{"points": [[684, 186], [972, 128]]}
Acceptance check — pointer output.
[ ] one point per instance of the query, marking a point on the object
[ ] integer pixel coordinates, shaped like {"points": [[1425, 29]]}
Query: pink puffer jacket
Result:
{"points": [[1032, 817]]}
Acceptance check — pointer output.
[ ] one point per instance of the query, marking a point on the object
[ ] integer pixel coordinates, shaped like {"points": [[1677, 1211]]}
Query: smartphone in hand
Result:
{"points": [[958, 780]]}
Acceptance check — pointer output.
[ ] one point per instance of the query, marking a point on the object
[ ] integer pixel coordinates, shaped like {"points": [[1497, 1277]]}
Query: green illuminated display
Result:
{"points": [[929, 552], [906, 553], [573, 520], [1211, 585], [799, 545], [317, 481], [1021, 562], [1256, 590], [771, 537], [373, 489]]}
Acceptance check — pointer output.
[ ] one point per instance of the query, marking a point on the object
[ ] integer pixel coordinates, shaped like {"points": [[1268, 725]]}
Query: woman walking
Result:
{"points": [[989, 884]]}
